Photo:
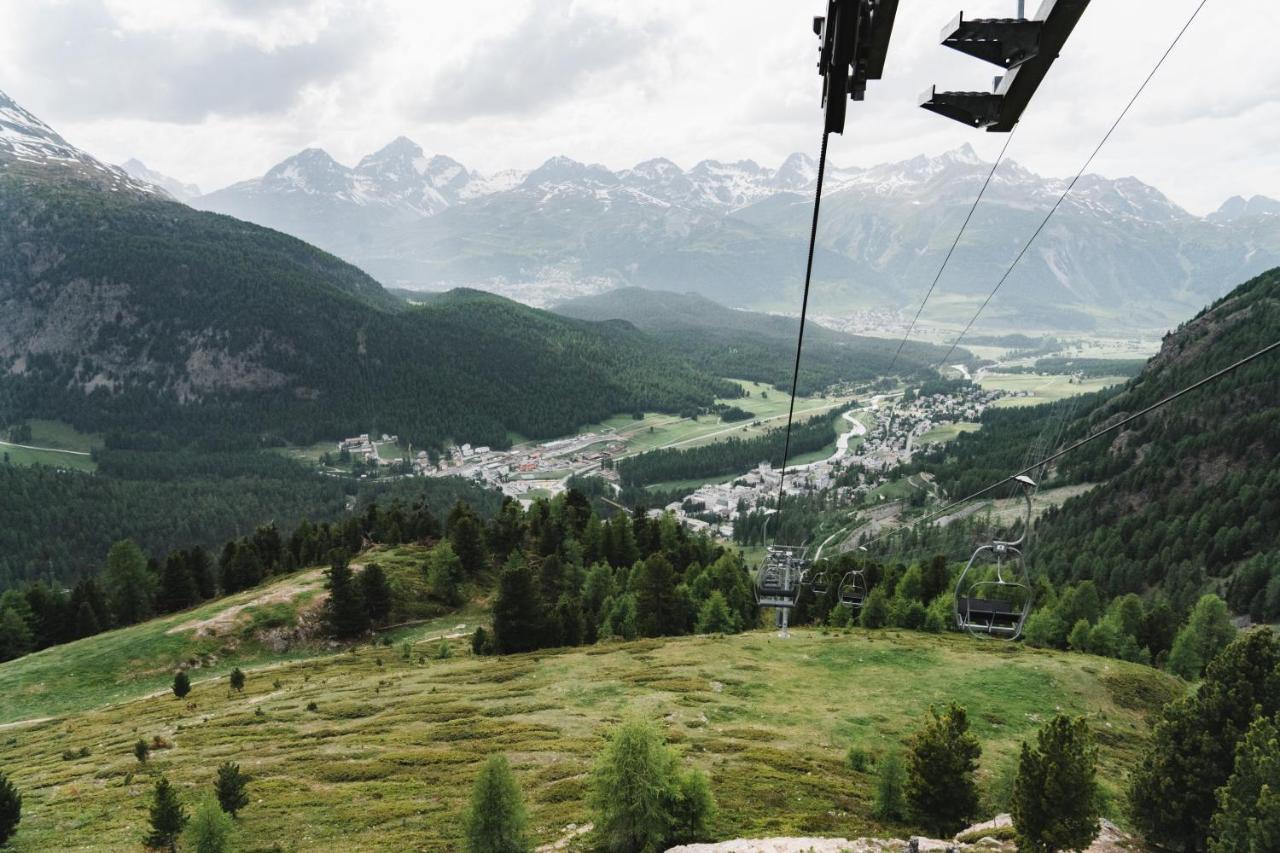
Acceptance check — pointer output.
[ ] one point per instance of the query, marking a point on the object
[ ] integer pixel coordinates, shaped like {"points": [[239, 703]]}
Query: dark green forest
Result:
{"points": [[209, 330]]}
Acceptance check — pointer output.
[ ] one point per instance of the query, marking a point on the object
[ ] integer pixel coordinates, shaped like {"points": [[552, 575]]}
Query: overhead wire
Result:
{"points": [[1052, 210], [1081, 443], [951, 251], [804, 310]]}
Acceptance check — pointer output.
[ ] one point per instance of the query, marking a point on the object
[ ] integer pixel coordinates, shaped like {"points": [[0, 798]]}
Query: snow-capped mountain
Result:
{"points": [[174, 187], [27, 143], [735, 231]]}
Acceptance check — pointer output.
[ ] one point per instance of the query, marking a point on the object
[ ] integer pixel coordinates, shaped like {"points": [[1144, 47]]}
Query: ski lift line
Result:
{"points": [[1086, 440], [1026, 246], [804, 310], [946, 260]]}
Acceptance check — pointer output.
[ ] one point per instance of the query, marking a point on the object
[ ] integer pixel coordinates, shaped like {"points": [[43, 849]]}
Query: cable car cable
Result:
{"points": [[1086, 440], [946, 260], [1026, 246], [804, 310]]}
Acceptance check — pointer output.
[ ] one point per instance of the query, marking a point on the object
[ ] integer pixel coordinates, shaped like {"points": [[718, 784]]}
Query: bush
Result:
{"points": [[443, 652], [167, 818], [858, 759], [230, 788], [181, 684], [642, 800], [210, 828], [1055, 797], [495, 821], [890, 801], [941, 760], [10, 809]]}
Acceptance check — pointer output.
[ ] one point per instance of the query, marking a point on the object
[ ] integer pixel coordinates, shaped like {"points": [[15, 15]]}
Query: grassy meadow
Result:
{"points": [[1043, 389], [375, 747]]}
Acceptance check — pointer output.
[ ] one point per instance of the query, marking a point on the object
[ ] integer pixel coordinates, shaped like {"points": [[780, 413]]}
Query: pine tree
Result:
{"points": [[658, 610], [10, 809], [376, 593], [1248, 817], [517, 609], [210, 828], [237, 680], [890, 801], [444, 574], [181, 684], [714, 617], [230, 788], [345, 611], [1055, 796], [15, 635], [495, 820], [466, 534], [875, 610], [86, 621], [1208, 630], [941, 760], [168, 817], [1192, 748], [131, 587], [177, 587], [141, 751]]}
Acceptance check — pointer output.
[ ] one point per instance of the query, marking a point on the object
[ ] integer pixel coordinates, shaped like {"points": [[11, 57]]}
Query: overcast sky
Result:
{"points": [[215, 91]]}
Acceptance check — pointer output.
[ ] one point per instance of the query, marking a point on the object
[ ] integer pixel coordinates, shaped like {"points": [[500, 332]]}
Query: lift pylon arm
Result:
{"points": [[1025, 47]]}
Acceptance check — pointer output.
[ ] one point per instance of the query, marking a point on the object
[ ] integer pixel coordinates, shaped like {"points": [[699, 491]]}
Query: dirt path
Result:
{"points": [[45, 449]]}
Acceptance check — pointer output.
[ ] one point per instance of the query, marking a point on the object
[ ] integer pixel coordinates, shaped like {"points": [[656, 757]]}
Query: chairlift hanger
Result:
{"points": [[1025, 48], [997, 607], [854, 42]]}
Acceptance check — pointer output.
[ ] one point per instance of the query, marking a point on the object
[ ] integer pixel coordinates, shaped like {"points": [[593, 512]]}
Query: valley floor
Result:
{"points": [[384, 758]]}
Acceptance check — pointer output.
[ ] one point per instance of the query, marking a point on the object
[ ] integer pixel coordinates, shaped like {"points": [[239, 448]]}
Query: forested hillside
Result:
{"points": [[747, 345], [1190, 495]]}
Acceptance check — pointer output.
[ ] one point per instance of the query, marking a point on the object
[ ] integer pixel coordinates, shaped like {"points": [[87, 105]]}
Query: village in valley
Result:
{"points": [[876, 433]]}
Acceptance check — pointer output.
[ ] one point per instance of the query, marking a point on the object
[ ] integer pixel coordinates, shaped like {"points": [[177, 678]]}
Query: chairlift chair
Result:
{"points": [[996, 607], [853, 590], [820, 584], [778, 580]]}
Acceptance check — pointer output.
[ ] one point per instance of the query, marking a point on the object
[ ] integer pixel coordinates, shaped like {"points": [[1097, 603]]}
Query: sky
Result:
{"points": [[216, 91]]}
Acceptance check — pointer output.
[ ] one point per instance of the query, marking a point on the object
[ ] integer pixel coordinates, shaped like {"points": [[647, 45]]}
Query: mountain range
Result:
{"points": [[1117, 254]]}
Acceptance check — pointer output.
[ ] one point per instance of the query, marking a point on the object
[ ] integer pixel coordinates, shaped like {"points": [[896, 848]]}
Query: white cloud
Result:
{"points": [[218, 90]]}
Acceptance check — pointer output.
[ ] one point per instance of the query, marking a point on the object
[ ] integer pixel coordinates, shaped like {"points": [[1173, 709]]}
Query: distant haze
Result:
{"points": [[216, 91]]}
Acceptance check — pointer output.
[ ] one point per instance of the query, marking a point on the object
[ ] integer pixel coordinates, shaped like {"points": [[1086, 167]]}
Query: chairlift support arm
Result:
{"points": [[853, 44], [1025, 48]]}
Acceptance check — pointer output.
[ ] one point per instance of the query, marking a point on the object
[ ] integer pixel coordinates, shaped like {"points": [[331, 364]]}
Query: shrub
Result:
{"points": [[1055, 797], [443, 652], [181, 684], [210, 828], [889, 802], [481, 642], [495, 821], [10, 809], [858, 759], [167, 818], [230, 788], [941, 760], [312, 706]]}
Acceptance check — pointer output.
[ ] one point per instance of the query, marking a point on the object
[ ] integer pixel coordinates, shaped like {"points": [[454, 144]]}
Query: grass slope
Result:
{"points": [[386, 758]]}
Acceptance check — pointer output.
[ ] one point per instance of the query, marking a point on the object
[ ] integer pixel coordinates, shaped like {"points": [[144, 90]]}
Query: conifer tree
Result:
{"points": [[517, 609], [714, 617], [444, 574], [495, 821], [376, 593], [875, 610], [86, 621], [345, 611], [1055, 796], [141, 751], [890, 801], [177, 587], [131, 587], [658, 610], [1208, 630], [1248, 817], [15, 635], [168, 818], [230, 788], [237, 680], [10, 809], [181, 684], [210, 828], [941, 760], [1172, 794]]}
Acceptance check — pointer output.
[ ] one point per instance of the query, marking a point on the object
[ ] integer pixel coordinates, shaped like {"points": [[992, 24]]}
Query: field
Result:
{"points": [[768, 404], [55, 444], [384, 757], [947, 433], [1043, 389]]}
